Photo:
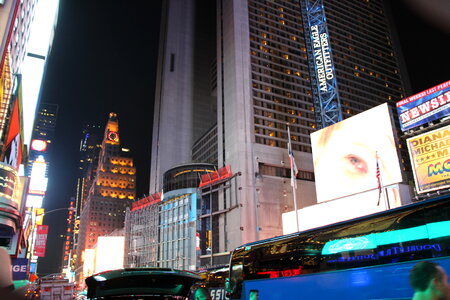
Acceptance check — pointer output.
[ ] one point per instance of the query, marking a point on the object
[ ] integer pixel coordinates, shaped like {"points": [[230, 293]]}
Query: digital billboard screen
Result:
{"points": [[430, 159], [424, 107], [345, 155], [109, 253]]}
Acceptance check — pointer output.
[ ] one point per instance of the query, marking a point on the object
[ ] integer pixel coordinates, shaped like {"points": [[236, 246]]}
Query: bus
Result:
{"points": [[213, 282], [365, 258]]}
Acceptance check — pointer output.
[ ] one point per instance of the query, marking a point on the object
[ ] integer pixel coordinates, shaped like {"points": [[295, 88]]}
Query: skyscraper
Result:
{"points": [[112, 191], [259, 81], [43, 132], [90, 146]]}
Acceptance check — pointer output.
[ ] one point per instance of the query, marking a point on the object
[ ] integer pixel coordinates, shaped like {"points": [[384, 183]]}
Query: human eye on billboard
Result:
{"points": [[348, 155]]}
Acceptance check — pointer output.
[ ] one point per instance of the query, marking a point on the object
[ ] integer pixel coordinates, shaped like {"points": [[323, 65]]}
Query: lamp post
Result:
{"points": [[33, 232]]}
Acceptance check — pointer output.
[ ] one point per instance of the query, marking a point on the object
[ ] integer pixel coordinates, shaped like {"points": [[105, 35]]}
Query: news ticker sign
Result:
{"points": [[424, 107], [430, 159]]}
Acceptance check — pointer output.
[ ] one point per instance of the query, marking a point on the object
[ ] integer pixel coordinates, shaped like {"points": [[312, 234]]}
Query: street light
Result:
{"points": [[34, 216]]}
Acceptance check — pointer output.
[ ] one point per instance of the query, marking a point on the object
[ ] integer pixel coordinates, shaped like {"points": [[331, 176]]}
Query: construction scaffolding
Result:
{"points": [[141, 232]]}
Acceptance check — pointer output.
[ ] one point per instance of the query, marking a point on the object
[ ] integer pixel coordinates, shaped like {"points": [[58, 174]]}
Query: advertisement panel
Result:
{"points": [[110, 253], [39, 181], [349, 155], [424, 107], [41, 240], [38, 145], [430, 159], [325, 95], [8, 181], [19, 268]]}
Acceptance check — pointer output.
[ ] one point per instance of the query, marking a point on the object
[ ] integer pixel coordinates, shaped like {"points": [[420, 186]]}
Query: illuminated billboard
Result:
{"points": [[109, 253], [424, 107], [88, 259], [38, 179], [34, 201], [40, 241], [8, 182], [430, 159], [346, 155], [38, 145]]}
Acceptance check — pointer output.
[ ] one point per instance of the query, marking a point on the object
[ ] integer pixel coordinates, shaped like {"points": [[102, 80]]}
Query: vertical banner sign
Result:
{"points": [[41, 240], [424, 107], [430, 159], [327, 107]]}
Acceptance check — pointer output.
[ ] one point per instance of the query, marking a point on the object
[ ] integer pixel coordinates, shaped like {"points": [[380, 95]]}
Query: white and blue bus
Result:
{"points": [[365, 258]]}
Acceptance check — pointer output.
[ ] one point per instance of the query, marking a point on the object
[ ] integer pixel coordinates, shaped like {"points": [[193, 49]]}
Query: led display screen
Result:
{"points": [[38, 145], [430, 159], [38, 179], [110, 253], [424, 107], [346, 155], [34, 201]]}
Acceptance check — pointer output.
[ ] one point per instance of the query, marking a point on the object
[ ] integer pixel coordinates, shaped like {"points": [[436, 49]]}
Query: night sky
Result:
{"points": [[104, 60]]}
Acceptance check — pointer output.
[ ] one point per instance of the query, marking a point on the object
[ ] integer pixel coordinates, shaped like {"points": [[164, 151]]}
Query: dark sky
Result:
{"points": [[104, 59]]}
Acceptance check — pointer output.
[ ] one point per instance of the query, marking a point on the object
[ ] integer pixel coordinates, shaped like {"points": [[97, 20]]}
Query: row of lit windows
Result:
{"points": [[303, 104], [116, 177], [114, 184], [121, 161], [284, 172], [376, 86], [105, 192], [278, 143], [363, 14]]}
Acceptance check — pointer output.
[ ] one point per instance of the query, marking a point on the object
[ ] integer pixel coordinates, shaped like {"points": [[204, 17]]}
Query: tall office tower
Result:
{"points": [[43, 132], [184, 80], [38, 157], [113, 189], [263, 83], [90, 146]]}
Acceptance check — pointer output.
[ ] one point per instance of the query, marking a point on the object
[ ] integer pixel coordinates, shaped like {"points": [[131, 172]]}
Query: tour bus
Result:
{"points": [[213, 282], [364, 258]]}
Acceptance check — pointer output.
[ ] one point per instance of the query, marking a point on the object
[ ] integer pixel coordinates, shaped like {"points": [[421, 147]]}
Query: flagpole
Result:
{"points": [[293, 176], [383, 189], [295, 207]]}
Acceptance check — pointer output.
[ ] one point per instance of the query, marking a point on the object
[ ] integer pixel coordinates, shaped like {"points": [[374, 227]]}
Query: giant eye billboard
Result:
{"points": [[346, 155], [430, 159]]}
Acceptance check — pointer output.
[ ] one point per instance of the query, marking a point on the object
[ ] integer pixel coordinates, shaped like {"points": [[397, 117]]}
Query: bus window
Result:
{"points": [[236, 280]]}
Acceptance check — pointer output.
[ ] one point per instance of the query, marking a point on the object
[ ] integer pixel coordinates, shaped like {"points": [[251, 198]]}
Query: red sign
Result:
{"points": [[41, 240], [141, 203], [221, 174]]}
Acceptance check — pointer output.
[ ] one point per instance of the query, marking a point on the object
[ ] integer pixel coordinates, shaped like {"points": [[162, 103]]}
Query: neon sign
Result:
{"points": [[371, 241], [392, 251], [282, 273]]}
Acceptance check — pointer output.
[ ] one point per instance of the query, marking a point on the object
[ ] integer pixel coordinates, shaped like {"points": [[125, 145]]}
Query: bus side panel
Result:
{"points": [[383, 282]]}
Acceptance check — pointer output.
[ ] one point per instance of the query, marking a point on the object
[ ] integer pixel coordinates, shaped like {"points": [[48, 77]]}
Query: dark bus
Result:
{"points": [[364, 258], [213, 282]]}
